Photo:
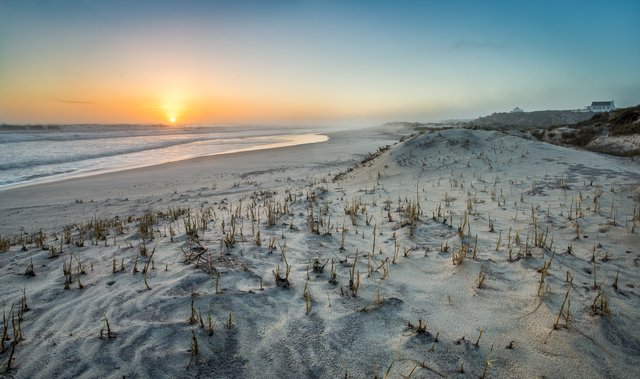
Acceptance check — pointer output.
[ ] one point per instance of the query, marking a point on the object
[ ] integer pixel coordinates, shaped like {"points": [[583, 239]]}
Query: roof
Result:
{"points": [[602, 103]]}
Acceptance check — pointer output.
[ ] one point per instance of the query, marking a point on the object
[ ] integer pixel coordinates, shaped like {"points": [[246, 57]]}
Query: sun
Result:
{"points": [[172, 120]]}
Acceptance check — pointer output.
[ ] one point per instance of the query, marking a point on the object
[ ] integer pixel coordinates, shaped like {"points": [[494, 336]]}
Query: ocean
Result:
{"points": [[45, 153]]}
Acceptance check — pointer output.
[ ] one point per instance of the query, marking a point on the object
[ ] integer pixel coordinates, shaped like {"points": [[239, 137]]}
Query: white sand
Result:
{"points": [[518, 184]]}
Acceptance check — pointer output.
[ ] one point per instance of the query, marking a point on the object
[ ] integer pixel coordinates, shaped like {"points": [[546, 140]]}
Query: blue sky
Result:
{"points": [[311, 61]]}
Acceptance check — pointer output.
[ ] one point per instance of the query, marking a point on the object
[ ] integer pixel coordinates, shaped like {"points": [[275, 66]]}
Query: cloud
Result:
{"points": [[151, 105], [74, 101], [471, 44]]}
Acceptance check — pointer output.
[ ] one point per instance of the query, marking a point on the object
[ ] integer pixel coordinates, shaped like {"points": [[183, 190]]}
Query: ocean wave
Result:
{"points": [[33, 162], [70, 158], [29, 178], [106, 132]]}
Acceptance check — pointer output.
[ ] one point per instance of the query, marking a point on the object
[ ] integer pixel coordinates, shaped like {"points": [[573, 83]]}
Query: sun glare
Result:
{"points": [[172, 120]]}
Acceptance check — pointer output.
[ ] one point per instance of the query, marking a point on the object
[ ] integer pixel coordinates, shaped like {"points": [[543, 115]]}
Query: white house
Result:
{"points": [[601, 106]]}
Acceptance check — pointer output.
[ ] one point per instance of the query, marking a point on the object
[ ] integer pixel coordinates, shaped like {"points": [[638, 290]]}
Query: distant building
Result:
{"points": [[517, 110], [601, 106]]}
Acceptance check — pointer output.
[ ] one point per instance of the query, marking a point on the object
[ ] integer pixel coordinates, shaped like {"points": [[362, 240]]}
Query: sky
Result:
{"points": [[306, 62]]}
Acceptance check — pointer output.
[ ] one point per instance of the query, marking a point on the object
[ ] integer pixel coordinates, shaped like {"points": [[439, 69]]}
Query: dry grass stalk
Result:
{"points": [[477, 344], [333, 279], [600, 304], [373, 246], [258, 240], [308, 300], [318, 267], [421, 328], [615, 283], [109, 333], [145, 270], [487, 364], [564, 314], [481, 278], [230, 322], [80, 286], [282, 281], [142, 248], [145, 225], [193, 317], [14, 343], [272, 244], [385, 268], [457, 257], [271, 213], [129, 245], [475, 247], [396, 249], [410, 216], [23, 302], [5, 331], [135, 266], [5, 244], [191, 226], [354, 278], [540, 238], [67, 270], [194, 349], [211, 325]]}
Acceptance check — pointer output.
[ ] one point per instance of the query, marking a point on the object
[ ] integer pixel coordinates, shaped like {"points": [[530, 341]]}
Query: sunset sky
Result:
{"points": [[92, 61]]}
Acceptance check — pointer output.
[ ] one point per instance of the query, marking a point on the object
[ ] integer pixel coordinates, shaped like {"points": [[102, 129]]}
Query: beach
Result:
{"points": [[381, 251], [184, 181]]}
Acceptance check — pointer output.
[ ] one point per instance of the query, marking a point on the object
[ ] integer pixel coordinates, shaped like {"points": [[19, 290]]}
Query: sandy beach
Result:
{"points": [[187, 182], [453, 253]]}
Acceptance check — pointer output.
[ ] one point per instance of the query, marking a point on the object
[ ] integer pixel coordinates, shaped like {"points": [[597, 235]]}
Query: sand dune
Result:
{"points": [[453, 253]]}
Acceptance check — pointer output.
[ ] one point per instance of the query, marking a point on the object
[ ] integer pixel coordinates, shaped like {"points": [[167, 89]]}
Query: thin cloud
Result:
{"points": [[65, 101], [471, 44]]}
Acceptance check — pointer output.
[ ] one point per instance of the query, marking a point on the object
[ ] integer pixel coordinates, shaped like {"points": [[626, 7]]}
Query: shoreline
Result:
{"points": [[291, 140], [42, 203]]}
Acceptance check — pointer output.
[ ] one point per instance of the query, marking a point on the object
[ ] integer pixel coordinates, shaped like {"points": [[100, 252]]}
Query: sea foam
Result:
{"points": [[29, 154]]}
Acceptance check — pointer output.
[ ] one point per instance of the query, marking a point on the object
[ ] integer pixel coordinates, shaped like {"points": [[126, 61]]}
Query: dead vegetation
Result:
{"points": [[347, 242]]}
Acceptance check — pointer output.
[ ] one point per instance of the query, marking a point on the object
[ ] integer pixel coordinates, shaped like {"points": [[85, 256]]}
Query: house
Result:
{"points": [[601, 106], [517, 110]]}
